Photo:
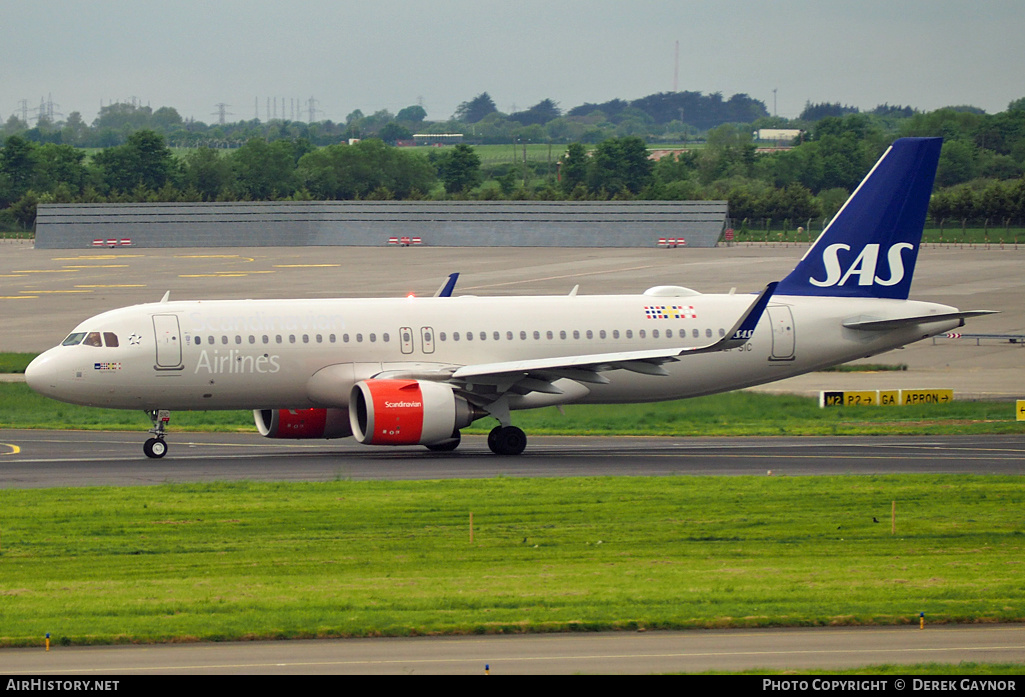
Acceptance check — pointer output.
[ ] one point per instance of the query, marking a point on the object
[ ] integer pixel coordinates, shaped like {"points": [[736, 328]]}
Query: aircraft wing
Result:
{"points": [[538, 374]]}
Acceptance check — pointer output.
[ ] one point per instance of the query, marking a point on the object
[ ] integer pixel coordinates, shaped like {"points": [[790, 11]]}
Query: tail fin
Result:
{"points": [[870, 247]]}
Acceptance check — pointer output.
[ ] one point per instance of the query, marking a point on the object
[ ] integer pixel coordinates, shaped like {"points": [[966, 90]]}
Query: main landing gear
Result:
{"points": [[503, 440], [155, 447], [507, 440]]}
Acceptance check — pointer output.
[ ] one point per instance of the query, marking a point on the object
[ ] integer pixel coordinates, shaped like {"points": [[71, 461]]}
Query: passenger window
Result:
{"points": [[590, 334], [252, 339], [562, 334], [509, 336], [601, 334], [523, 336], [549, 334], [537, 335], [629, 333], [641, 333], [469, 336], [496, 336], [110, 339], [615, 333]]}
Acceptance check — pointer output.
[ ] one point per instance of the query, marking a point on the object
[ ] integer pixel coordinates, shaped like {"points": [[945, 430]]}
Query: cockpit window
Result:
{"points": [[93, 339], [110, 339], [73, 339]]}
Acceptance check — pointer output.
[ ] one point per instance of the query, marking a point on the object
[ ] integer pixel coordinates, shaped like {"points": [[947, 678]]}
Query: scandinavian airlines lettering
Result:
{"points": [[403, 405], [864, 266], [261, 321]]}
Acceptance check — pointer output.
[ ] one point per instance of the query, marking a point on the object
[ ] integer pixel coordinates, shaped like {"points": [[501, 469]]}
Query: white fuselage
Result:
{"points": [[269, 354]]}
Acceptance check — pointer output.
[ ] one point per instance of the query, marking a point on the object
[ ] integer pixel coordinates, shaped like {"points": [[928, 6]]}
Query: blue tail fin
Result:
{"points": [[870, 248]]}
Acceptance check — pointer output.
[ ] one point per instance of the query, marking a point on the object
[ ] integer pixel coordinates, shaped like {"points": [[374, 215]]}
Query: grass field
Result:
{"points": [[261, 560]]}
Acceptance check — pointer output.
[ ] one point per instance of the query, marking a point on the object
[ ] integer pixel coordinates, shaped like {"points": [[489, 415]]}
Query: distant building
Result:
{"points": [[437, 138], [780, 136]]}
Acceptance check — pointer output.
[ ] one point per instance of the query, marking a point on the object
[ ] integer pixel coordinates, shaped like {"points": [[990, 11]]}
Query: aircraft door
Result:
{"points": [[783, 341], [427, 339], [168, 342], [406, 339]]}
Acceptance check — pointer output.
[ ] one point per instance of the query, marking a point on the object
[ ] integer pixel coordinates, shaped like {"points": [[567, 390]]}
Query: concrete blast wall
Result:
{"points": [[375, 223]]}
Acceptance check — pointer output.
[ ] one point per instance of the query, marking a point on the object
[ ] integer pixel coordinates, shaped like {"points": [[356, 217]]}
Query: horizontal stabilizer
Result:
{"points": [[896, 323]]}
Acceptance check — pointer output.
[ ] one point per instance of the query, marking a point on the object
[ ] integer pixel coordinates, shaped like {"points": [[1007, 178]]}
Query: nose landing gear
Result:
{"points": [[156, 447]]}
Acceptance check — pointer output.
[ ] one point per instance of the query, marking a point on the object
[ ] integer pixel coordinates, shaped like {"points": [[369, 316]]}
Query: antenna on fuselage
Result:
{"points": [[166, 297]]}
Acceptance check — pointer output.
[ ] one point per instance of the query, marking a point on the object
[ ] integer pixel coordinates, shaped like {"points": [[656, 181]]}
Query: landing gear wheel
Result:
{"points": [[507, 440], [155, 448], [446, 446]]}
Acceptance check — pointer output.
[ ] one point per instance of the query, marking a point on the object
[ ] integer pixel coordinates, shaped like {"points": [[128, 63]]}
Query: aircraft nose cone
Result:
{"points": [[40, 374]]}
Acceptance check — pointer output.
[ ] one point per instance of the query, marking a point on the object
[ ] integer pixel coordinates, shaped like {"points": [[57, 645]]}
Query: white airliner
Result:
{"points": [[407, 371]]}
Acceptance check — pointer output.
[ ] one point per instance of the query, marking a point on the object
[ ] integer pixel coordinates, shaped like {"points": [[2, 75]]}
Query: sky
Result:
{"points": [[387, 54]]}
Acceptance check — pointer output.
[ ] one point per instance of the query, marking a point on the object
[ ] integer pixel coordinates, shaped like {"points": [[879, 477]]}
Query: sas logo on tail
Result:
{"points": [[864, 267]]}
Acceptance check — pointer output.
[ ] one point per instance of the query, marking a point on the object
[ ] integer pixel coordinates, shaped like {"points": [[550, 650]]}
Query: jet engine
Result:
{"points": [[302, 423], [407, 412]]}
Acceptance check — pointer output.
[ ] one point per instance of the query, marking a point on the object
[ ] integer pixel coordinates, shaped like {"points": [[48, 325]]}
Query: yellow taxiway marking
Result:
{"points": [[214, 256], [46, 271], [301, 266], [18, 297], [55, 291], [221, 274], [100, 257], [115, 285], [98, 266], [14, 448], [212, 275]]}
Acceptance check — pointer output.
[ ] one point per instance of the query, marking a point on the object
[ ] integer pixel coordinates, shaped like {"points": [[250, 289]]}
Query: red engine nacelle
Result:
{"points": [[303, 423], [407, 412]]}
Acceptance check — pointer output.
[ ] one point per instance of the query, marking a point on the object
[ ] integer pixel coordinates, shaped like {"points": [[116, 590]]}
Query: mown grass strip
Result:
{"points": [[732, 414], [243, 560]]}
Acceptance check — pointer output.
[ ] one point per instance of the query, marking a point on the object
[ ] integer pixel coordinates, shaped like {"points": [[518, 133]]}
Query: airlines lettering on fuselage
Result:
{"points": [[236, 362], [864, 267]]}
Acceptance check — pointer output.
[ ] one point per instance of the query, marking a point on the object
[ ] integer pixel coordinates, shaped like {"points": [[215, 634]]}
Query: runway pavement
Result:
{"points": [[31, 459], [622, 653]]}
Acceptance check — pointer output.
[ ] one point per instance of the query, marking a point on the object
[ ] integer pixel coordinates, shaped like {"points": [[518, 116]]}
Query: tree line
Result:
{"points": [[979, 178]]}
